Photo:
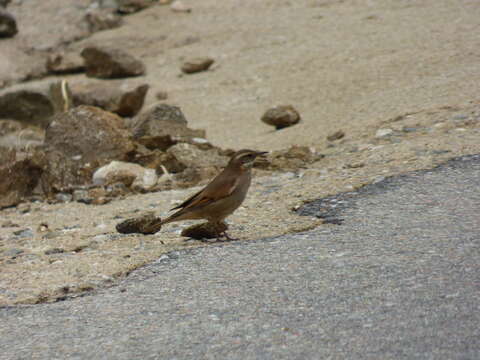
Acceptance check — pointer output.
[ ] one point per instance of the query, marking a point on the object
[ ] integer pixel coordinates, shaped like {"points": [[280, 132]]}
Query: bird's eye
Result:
{"points": [[248, 158]]}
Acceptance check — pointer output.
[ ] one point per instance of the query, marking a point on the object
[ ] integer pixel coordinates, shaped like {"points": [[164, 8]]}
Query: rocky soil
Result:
{"points": [[158, 95]]}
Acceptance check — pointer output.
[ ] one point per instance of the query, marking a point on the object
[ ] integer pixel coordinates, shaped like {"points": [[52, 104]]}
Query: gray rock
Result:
{"points": [[108, 63], [65, 63], [63, 197], [281, 116], [8, 224], [13, 253], [161, 95], [180, 6], [53, 251], [18, 177], [23, 208], [143, 179], [123, 100], [336, 135], [71, 158], [460, 117], [82, 196], [381, 133], [163, 125], [192, 157], [197, 65], [407, 129], [102, 19], [27, 103], [8, 24], [23, 233]]}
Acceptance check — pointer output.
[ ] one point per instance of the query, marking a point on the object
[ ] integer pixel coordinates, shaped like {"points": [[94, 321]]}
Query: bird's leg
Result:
{"points": [[228, 238], [221, 230]]}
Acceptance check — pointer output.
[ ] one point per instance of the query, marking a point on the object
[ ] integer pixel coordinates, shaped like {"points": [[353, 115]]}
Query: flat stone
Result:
{"points": [[124, 99], [197, 65], [65, 63], [109, 63]]}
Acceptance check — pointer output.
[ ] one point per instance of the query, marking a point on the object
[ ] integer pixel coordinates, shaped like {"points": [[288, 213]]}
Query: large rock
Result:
{"points": [[108, 63], [119, 171], [124, 100], [27, 103], [8, 25], [163, 125], [78, 142], [65, 63], [18, 177]]}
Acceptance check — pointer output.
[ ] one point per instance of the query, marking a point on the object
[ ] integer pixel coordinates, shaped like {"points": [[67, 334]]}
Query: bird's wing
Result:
{"points": [[218, 188]]}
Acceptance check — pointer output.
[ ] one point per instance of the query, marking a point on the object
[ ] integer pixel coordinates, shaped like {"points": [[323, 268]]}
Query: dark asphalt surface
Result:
{"points": [[398, 279]]}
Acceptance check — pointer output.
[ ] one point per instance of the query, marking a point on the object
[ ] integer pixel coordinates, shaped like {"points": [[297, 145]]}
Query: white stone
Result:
{"points": [[144, 178], [383, 132]]}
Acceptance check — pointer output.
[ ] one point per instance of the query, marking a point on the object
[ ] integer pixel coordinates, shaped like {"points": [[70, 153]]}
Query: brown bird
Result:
{"points": [[222, 196]]}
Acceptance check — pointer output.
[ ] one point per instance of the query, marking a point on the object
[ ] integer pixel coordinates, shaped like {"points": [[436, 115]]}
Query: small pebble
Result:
{"points": [[383, 133], [409, 129], [63, 197], [51, 235], [337, 135], [43, 227], [180, 6], [161, 95], [54, 251], [13, 253], [23, 233], [8, 224], [197, 65], [23, 208], [281, 116], [82, 196]]}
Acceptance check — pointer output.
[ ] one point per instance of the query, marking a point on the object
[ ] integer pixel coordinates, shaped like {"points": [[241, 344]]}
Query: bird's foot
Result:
{"points": [[223, 236]]}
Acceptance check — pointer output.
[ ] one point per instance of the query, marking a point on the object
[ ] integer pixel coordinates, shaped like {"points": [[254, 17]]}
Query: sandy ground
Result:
{"points": [[359, 66]]}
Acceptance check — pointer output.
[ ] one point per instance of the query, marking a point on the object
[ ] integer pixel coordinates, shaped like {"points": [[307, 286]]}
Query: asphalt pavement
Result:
{"points": [[395, 274]]}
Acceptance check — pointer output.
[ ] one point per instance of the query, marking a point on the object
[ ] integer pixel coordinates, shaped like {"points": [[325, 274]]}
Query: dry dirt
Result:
{"points": [[359, 66]]}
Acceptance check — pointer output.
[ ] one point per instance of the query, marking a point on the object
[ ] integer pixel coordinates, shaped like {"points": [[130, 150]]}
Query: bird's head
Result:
{"points": [[244, 159]]}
